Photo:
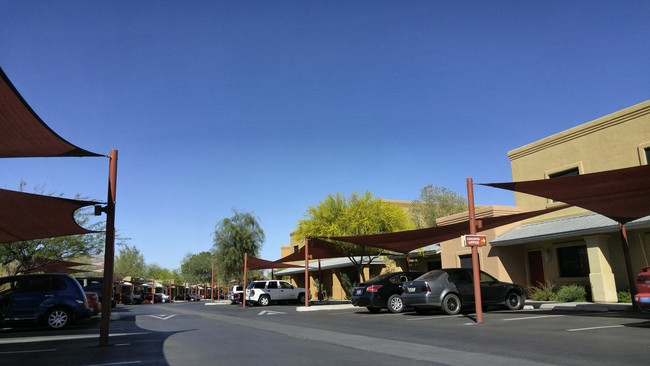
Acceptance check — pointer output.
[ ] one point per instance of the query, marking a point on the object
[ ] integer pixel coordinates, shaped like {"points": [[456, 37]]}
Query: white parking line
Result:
{"points": [[29, 351], [593, 328], [533, 317], [374, 315], [435, 317]]}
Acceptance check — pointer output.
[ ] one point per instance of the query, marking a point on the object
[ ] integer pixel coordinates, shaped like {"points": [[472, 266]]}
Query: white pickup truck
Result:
{"points": [[263, 292]]}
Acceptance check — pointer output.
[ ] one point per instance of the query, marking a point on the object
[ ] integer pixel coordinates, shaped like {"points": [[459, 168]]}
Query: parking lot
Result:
{"points": [[193, 333]]}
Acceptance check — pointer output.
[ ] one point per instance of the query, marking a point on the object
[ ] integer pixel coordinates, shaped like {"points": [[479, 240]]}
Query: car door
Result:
{"points": [[273, 290], [31, 293], [492, 291], [464, 285], [287, 291]]}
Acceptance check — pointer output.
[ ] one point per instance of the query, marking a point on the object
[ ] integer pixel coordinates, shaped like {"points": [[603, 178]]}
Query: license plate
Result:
{"points": [[645, 299], [411, 289], [358, 291]]}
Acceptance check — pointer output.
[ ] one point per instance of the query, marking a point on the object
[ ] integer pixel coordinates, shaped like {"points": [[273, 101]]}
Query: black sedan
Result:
{"points": [[383, 291], [452, 289]]}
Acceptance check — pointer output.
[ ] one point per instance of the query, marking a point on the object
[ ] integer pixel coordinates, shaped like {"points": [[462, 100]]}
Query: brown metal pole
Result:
{"points": [[320, 280], [212, 285], [475, 264], [306, 272], [121, 284], [408, 263], [243, 295], [153, 287], [628, 266], [219, 288], [109, 250]]}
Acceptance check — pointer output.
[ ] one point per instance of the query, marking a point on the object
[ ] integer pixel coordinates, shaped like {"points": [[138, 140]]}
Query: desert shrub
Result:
{"points": [[624, 296], [544, 292], [571, 293]]}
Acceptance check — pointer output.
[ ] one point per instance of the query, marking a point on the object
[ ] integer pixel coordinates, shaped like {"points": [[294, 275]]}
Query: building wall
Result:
{"points": [[612, 142]]}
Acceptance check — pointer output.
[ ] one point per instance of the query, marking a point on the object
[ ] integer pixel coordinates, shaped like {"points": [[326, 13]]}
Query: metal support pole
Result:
{"points": [[628, 266], [212, 285], [109, 250], [243, 295], [153, 287], [320, 282], [475, 263], [307, 272]]}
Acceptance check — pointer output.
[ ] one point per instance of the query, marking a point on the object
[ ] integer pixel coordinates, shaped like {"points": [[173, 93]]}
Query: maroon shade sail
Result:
{"points": [[318, 249], [23, 133], [622, 195], [54, 266], [257, 263], [26, 216], [406, 241]]}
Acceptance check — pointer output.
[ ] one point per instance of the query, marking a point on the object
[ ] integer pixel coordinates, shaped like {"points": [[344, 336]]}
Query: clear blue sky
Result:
{"points": [[268, 106]]}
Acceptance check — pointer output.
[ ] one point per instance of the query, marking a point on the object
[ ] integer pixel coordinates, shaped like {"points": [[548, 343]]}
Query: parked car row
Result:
{"points": [[449, 290]]}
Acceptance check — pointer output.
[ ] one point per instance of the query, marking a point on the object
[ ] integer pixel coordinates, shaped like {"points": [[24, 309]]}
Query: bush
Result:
{"points": [[624, 296], [545, 292], [571, 293]]}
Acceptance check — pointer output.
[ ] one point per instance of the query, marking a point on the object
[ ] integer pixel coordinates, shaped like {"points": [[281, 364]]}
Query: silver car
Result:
{"points": [[452, 289]]}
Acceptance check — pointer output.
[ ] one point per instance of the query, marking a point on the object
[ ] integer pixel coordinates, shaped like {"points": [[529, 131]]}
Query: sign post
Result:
{"points": [[474, 238]]}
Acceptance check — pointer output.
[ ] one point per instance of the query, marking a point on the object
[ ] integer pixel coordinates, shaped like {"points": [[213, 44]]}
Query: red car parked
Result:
{"points": [[643, 287], [93, 302]]}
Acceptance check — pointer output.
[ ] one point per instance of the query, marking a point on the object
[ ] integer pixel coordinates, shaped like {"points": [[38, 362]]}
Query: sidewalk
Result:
{"points": [[530, 305]]}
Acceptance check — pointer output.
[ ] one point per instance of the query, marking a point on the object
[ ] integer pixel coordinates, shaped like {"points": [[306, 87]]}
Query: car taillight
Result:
{"points": [[252, 292], [374, 288], [425, 287]]}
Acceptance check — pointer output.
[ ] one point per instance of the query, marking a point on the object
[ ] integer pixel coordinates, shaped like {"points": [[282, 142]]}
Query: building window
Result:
{"points": [[295, 248], [466, 261], [647, 155], [565, 173], [573, 261], [434, 265]]}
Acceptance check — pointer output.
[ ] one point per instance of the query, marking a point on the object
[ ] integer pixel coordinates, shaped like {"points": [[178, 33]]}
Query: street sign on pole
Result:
{"points": [[474, 240]]}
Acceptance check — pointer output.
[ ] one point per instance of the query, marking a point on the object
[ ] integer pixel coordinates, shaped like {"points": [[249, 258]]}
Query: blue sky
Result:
{"points": [[268, 106]]}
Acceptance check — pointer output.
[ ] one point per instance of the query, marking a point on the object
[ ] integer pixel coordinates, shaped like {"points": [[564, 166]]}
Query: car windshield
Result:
{"points": [[431, 275]]}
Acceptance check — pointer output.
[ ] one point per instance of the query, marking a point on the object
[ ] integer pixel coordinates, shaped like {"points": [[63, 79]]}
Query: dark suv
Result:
{"points": [[383, 291], [95, 284], [54, 300]]}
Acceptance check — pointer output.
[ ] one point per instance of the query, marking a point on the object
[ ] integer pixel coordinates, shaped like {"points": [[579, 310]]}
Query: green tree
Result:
{"points": [[197, 267], [435, 202], [337, 215], [159, 273], [129, 262], [233, 237]]}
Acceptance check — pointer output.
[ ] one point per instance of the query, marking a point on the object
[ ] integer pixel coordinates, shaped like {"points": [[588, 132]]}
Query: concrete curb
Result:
{"points": [[325, 307]]}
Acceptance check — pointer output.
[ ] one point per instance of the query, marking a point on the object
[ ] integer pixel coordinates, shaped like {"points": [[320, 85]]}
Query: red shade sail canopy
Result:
{"points": [[257, 263], [54, 266], [406, 241], [318, 249], [25, 216], [622, 195], [23, 133]]}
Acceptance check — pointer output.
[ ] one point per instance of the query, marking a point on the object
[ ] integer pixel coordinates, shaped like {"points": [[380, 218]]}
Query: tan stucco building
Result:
{"points": [[571, 246]]}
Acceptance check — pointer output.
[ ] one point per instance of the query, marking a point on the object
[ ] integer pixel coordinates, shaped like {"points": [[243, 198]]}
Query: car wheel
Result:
{"points": [[514, 301], [373, 309], [301, 299], [395, 304], [264, 300], [57, 318], [451, 304], [422, 311]]}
